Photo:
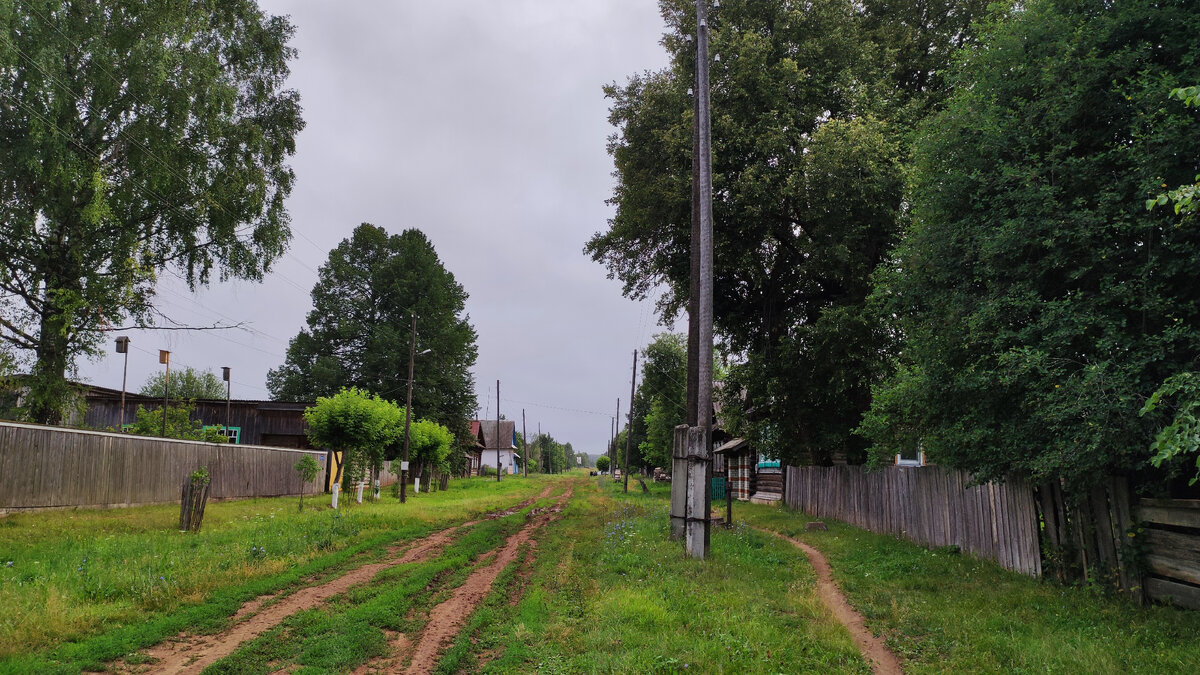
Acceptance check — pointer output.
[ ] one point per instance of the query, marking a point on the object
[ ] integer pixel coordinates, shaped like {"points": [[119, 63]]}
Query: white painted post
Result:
{"points": [[417, 485], [679, 481], [360, 489], [336, 489]]}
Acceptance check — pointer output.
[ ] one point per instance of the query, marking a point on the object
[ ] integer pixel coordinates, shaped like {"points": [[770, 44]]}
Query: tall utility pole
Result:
{"points": [[612, 450], [541, 449], [412, 357], [497, 431], [629, 432], [612, 438], [524, 446], [700, 445]]}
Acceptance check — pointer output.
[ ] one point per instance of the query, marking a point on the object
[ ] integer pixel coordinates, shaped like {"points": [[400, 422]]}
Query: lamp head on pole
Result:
{"points": [[225, 373], [122, 345]]}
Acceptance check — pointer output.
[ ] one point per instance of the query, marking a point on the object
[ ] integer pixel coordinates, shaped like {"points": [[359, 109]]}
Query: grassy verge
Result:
{"points": [[609, 593], [127, 577], [945, 612]]}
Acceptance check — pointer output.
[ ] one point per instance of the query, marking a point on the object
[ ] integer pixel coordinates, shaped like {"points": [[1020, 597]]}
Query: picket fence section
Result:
{"points": [[930, 505], [50, 467]]}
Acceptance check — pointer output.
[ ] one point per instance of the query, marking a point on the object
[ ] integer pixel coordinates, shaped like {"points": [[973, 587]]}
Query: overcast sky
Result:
{"points": [[483, 124]]}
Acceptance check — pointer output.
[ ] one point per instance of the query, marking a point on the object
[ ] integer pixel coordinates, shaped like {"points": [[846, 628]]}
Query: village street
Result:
{"points": [[563, 573]]}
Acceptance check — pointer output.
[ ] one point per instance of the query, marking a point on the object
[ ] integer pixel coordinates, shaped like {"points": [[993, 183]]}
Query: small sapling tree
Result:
{"points": [[602, 463], [307, 469], [357, 424]]}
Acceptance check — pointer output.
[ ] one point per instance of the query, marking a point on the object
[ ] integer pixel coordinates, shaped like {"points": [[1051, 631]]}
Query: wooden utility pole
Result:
{"points": [[497, 431], [612, 450], [612, 438], [629, 432], [699, 496], [679, 461], [524, 446]]}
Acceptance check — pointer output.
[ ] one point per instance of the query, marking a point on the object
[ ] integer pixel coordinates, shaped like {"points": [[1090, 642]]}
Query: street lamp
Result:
{"points": [[164, 357], [228, 390], [412, 357], [123, 348]]}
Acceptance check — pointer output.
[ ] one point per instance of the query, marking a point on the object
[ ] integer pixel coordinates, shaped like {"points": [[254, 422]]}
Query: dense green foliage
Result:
{"points": [[1182, 436], [662, 391], [1183, 198], [180, 424], [429, 446], [186, 385], [547, 455], [359, 328], [135, 139], [811, 111], [360, 425], [1039, 301], [602, 463]]}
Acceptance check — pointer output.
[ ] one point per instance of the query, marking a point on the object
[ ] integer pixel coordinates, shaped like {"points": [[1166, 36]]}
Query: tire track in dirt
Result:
{"points": [[448, 618], [191, 654], [873, 649]]}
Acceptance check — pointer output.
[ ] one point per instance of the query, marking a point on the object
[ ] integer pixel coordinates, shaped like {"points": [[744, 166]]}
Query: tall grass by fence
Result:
{"points": [[928, 505], [49, 467]]}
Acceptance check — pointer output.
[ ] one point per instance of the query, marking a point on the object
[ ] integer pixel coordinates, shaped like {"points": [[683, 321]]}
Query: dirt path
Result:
{"points": [[189, 654], [448, 618], [882, 660]]}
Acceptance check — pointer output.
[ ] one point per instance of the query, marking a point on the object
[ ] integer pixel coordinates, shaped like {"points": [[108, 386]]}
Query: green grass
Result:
{"points": [[947, 612], [127, 578], [609, 593]]}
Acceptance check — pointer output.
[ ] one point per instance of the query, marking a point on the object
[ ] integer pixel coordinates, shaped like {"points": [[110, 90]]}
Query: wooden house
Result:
{"points": [[499, 440], [474, 454], [278, 424]]}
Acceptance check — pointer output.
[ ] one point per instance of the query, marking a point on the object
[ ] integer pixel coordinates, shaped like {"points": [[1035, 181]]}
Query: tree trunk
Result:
{"points": [[49, 392]]}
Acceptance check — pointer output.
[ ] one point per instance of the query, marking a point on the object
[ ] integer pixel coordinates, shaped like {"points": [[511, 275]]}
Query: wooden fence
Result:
{"points": [[49, 467], [928, 505], [1171, 561]]}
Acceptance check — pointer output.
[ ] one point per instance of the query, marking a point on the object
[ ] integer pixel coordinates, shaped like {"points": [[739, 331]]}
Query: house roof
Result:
{"points": [[732, 446], [487, 432], [93, 391]]}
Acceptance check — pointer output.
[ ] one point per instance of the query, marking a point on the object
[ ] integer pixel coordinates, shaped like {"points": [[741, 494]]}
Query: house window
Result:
{"points": [[234, 434]]}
